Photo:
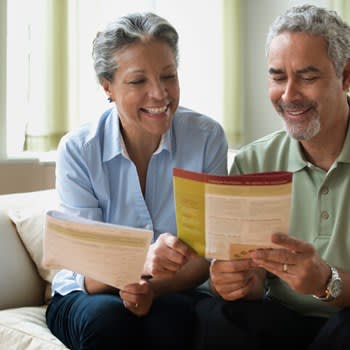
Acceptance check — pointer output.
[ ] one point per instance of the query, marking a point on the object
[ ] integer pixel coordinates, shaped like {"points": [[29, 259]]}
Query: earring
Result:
{"points": [[109, 99]]}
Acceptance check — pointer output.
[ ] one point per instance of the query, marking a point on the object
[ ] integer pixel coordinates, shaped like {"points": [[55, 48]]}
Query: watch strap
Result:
{"points": [[328, 296]]}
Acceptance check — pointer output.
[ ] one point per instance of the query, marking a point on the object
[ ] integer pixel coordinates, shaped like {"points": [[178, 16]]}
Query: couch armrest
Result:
{"points": [[20, 284]]}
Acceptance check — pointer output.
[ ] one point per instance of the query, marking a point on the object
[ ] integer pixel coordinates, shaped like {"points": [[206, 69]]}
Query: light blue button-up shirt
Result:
{"points": [[96, 179]]}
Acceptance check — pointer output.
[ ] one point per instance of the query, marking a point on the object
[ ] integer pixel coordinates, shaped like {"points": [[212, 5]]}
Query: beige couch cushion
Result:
{"points": [[29, 219], [25, 329], [21, 284], [30, 227]]}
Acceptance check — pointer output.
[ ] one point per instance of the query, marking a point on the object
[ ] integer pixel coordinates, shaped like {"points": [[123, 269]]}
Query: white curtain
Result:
{"points": [[232, 63], [342, 7]]}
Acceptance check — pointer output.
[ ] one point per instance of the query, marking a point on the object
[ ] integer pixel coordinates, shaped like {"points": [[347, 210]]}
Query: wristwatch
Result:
{"points": [[334, 286]]}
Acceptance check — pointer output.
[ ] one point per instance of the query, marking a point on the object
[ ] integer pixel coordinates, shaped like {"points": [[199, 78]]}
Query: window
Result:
{"points": [[51, 85]]}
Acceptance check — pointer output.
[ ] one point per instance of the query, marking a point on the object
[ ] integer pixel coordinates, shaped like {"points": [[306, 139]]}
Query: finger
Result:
{"points": [[136, 309], [179, 246], [130, 288], [230, 266], [284, 271], [235, 292], [167, 265], [172, 249], [229, 279], [279, 256], [291, 243], [135, 288], [130, 305]]}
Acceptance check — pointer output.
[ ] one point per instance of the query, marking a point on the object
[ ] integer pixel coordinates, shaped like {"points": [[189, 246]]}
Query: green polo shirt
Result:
{"points": [[320, 212]]}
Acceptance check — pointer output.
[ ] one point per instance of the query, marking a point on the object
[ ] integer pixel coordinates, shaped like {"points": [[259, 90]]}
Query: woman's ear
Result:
{"points": [[346, 76], [107, 88]]}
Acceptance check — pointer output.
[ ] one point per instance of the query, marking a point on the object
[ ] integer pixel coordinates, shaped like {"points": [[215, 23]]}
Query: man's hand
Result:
{"points": [[236, 279], [296, 262]]}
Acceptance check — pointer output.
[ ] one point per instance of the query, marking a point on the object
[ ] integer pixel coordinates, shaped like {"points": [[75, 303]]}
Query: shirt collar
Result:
{"points": [[296, 159], [165, 143], [344, 156], [113, 144], [111, 137]]}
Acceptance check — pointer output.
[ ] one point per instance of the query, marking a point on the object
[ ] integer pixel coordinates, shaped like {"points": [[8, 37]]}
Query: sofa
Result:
{"points": [[25, 283]]}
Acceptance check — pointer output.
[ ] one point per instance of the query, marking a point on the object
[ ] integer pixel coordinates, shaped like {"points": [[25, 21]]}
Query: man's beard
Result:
{"points": [[297, 130]]}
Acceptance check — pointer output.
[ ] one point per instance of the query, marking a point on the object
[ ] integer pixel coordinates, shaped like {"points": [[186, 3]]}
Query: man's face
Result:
{"points": [[303, 85]]}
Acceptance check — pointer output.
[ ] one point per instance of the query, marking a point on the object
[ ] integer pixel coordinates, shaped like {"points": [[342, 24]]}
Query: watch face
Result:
{"points": [[336, 288]]}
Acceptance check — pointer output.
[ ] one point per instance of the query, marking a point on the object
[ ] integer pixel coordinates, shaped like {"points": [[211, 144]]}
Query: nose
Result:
{"points": [[158, 90], [291, 91]]}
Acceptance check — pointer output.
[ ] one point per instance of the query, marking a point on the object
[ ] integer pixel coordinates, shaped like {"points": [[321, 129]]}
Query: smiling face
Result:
{"points": [[303, 85], [145, 88]]}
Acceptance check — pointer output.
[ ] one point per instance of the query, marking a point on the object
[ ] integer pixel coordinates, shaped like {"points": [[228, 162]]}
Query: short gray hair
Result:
{"points": [[319, 22], [125, 31]]}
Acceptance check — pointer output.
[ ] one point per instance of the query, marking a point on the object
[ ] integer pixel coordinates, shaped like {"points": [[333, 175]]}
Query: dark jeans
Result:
{"points": [[100, 321], [267, 325]]}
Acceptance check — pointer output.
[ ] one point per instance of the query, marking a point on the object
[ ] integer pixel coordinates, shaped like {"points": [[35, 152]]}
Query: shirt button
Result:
{"points": [[324, 190], [324, 215]]}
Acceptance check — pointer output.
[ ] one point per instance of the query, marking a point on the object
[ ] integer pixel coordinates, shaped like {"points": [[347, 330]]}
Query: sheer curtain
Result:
{"points": [[342, 7], [36, 87], [44, 130], [232, 63]]}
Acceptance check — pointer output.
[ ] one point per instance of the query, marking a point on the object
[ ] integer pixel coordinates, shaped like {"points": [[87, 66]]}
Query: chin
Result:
{"points": [[303, 134]]}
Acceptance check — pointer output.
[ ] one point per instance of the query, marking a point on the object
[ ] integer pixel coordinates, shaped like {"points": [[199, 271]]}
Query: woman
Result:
{"points": [[120, 171]]}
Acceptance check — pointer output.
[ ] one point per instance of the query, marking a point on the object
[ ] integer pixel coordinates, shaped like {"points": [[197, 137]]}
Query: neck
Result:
{"points": [[323, 149], [140, 149]]}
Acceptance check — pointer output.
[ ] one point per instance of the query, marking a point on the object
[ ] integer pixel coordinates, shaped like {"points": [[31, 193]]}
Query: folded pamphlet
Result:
{"points": [[112, 254], [227, 217]]}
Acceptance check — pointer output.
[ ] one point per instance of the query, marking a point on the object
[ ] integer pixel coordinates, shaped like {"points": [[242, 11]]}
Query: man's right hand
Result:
{"points": [[237, 279]]}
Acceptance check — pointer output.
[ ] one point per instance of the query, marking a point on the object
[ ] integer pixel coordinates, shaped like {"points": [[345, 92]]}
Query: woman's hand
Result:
{"points": [[296, 262], [236, 279], [166, 256], [138, 297]]}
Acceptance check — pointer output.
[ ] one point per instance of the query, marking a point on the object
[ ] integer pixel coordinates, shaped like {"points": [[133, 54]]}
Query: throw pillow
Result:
{"points": [[30, 227]]}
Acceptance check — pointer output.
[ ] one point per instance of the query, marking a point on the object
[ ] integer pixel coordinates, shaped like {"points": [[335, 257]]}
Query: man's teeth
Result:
{"points": [[156, 110], [296, 112]]}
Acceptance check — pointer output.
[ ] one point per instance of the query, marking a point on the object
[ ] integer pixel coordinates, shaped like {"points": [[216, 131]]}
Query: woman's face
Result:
{"points": [[145, 88]]}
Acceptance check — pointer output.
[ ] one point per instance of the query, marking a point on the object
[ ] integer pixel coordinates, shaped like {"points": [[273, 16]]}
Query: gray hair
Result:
{"points": [[319, 22], [125, 31]]}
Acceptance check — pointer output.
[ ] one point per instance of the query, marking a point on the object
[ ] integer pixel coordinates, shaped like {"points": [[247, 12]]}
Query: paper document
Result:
{"points": [[226, 217], [108, 253]]}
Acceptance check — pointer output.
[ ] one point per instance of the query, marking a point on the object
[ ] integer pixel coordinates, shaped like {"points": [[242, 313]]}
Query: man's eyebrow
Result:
{"points": [[275, 71], [308, 69]]}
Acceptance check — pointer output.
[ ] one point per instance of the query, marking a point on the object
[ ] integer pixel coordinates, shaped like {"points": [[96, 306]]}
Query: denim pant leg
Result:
{"points": [[259, 325], [170, 324], [91, 321], [335, 334]]}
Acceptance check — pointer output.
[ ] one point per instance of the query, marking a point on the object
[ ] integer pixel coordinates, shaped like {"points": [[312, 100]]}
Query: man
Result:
{"points": [[298, 296]]}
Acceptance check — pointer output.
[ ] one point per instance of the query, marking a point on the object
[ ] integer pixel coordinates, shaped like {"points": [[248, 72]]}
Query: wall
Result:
{"points": [[26, 176], [3, 59]]}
